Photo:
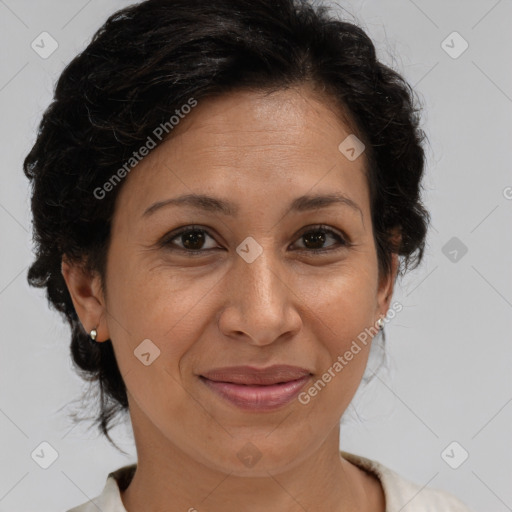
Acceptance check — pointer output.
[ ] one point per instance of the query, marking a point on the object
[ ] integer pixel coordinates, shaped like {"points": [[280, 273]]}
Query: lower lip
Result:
{"points": [[259, 398]]}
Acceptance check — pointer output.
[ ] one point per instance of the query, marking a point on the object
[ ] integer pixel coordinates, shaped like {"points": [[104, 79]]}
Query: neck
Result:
{"points": [[167, 478]]}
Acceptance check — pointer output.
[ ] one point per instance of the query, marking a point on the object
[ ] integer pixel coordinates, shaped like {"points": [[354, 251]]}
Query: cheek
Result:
{"points": [[162, 305], [344, 302], [340, 313], [339, 316], [165, 309]]}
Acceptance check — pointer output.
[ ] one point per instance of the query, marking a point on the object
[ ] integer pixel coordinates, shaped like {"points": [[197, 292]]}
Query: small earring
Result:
{"points": [[93, 334], [380, 324]]}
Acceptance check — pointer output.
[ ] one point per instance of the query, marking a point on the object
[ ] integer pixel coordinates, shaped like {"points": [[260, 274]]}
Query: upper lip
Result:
{"points": [[250, 375]]}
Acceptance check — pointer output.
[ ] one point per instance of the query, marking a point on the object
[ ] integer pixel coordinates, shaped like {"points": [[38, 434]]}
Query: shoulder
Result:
{"points": [[406, 496], [110, 498]]}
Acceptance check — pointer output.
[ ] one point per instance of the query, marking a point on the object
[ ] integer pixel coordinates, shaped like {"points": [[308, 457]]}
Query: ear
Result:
{"points": [[87, 296], [386, 283]]}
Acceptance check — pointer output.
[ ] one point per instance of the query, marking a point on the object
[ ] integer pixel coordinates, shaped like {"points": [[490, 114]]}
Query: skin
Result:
{"points": [[288, 306]]}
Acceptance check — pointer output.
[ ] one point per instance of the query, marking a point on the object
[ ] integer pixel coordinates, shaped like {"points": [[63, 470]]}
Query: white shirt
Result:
{"points": [[401, 495]]}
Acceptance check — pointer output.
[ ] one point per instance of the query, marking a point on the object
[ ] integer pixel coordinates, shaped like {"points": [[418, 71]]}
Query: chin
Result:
{"points": [[258, 456]]}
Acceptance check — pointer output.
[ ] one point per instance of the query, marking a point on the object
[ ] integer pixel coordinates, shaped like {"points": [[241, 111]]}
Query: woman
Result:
{"points": [[223, 196]]}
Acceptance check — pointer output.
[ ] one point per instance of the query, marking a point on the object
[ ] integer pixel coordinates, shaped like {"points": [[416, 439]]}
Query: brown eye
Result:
{"points": [[192, 239], [314, 239]]}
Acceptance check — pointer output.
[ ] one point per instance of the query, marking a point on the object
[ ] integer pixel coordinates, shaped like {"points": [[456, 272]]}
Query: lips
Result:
{"points": [[251, 376], [264, 389]]}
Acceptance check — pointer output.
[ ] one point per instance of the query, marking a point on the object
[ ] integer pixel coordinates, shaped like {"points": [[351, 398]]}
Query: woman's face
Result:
{"points": [[257, 294]]}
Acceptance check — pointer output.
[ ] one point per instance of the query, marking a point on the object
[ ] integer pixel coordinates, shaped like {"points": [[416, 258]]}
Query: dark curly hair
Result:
{"points": [[148, 60]]}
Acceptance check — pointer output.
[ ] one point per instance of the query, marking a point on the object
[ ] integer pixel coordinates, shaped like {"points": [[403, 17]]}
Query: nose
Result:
{"points": [[261, 301]]}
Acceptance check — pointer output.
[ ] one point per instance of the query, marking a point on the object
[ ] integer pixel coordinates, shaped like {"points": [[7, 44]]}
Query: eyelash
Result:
{"points": [[167, 241]]}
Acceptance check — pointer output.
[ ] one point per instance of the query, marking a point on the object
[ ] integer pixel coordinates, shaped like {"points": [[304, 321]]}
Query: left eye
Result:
{"points": [[318, 234], [193, 238]]}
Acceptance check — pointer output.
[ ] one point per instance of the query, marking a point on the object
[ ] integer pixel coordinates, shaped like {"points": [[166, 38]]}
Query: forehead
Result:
{"points": [[250, 145]]}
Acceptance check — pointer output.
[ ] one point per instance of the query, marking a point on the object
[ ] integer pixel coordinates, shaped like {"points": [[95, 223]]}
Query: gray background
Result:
{"points": [[449, 349]]}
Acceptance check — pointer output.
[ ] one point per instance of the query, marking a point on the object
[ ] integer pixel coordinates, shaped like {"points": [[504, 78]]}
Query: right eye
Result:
{"points": [[192, 238]]}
